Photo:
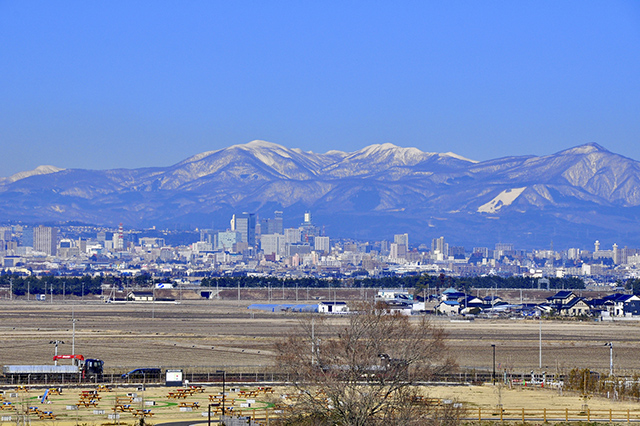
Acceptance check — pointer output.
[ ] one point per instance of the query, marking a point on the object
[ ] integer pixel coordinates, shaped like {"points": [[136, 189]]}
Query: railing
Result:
{"points": [[558, 415]]}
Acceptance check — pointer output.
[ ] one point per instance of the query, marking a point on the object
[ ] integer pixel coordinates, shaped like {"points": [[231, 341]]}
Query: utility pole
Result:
{"points": [[540, 338], [493, 375], [73, 340]]}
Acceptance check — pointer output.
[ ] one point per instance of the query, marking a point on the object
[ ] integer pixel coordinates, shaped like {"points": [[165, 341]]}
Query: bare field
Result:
{"points": [[226, 333]]}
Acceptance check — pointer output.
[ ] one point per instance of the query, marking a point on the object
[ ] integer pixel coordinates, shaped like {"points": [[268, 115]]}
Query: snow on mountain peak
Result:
{"points": [[457, 157], [40, 170], [588, 148]]}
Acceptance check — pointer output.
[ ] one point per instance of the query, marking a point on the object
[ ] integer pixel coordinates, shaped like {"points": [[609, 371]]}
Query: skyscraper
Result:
{"points": [[245, 224], [45, 239], [438, 245]]}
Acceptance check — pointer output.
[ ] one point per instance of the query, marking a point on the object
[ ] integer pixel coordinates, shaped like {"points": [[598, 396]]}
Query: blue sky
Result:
{"points": [[148, 83]]}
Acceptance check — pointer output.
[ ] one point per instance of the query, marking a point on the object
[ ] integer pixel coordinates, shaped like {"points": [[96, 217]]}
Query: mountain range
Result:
{"points": [[568, 199]]}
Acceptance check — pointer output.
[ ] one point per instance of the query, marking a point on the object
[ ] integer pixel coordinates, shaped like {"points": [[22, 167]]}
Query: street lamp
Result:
{"points": [[493, 375], [610, 344], [224, 380], [56, 342]]}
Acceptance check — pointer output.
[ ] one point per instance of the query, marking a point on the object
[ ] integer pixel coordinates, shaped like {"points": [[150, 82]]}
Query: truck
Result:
{"points": [[81, 369]]}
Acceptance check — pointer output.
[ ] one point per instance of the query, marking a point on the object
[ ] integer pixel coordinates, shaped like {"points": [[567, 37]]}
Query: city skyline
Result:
{"points": [[129, 85]]}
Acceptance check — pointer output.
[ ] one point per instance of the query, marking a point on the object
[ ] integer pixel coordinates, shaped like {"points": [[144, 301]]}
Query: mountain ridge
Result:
{"points": [[422, 192]]}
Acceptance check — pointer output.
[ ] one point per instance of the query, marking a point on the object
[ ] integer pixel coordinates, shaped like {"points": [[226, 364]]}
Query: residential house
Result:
{"points": [[333, 307], [448, 307]]}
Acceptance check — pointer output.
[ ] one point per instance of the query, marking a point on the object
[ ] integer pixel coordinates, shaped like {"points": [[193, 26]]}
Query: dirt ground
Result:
{"points": [[219, 334], [226, 333], [477, 400]]}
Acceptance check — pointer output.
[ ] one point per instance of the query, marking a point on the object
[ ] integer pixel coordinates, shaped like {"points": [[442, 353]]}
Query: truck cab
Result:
{"points": [[92, 369]]}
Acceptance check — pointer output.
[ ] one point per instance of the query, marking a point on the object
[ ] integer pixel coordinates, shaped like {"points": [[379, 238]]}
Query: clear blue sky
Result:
{"points": [[110, 84]]}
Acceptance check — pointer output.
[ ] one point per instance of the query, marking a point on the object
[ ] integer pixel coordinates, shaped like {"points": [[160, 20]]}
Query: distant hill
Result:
{"points": [[572, 197]]}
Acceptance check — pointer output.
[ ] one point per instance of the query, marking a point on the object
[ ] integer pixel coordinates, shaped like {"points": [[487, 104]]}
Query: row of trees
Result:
{"points": [[92, 284]]}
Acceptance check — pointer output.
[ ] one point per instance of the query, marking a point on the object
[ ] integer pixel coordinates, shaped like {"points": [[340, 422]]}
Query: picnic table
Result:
{"points": [[218, 410], [123, 407], [47, 415], [87, 402], [180, 393], [33, 410], [7, 406], [103, 388], [55, 391], [143, 413], [189, 404]]}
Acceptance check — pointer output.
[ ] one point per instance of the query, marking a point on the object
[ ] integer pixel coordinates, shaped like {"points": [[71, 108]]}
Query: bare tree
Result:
{"points": [[360, 369]]}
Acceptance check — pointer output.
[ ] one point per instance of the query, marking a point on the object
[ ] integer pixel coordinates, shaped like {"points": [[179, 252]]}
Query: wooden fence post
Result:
{"points": [[610, 416], [566, 414], [544, 413], [628, 418], [588, 414], [479, 414]]}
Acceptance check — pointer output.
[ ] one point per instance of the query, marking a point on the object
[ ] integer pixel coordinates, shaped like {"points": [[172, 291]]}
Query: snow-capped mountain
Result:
{"points": [[576, 195]]}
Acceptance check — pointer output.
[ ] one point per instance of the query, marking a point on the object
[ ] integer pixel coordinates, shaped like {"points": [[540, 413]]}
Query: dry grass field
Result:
{"points": [[482, 400], [226, 333], [223, 334]]}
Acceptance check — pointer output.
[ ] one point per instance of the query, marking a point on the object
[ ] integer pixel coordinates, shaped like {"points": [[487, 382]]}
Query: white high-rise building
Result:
{"points": [[292, 236], [401, 239], [272, 244], [321, 244], [45, 239]]}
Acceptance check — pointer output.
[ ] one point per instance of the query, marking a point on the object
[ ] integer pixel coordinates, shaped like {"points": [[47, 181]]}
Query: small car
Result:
{"points": [[143, 373]]}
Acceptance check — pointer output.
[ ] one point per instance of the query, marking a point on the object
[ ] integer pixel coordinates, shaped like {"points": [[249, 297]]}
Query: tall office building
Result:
{"points": [[272, 225], [26, 239], [278, 224], [272, 244], [245, 224], [292, 236], [322, 244], [438, 245], [401, 239], [45, 239]]}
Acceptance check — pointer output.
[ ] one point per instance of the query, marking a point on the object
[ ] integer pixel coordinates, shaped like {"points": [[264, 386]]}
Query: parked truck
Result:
{"points": [[81, 369]]}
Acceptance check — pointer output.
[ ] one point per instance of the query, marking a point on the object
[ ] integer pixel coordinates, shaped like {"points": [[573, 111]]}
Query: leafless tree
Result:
{"points": [[361, 369]]}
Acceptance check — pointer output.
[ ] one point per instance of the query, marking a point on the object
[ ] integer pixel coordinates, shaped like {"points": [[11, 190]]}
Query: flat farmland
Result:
{"points": [[217, 333]]}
